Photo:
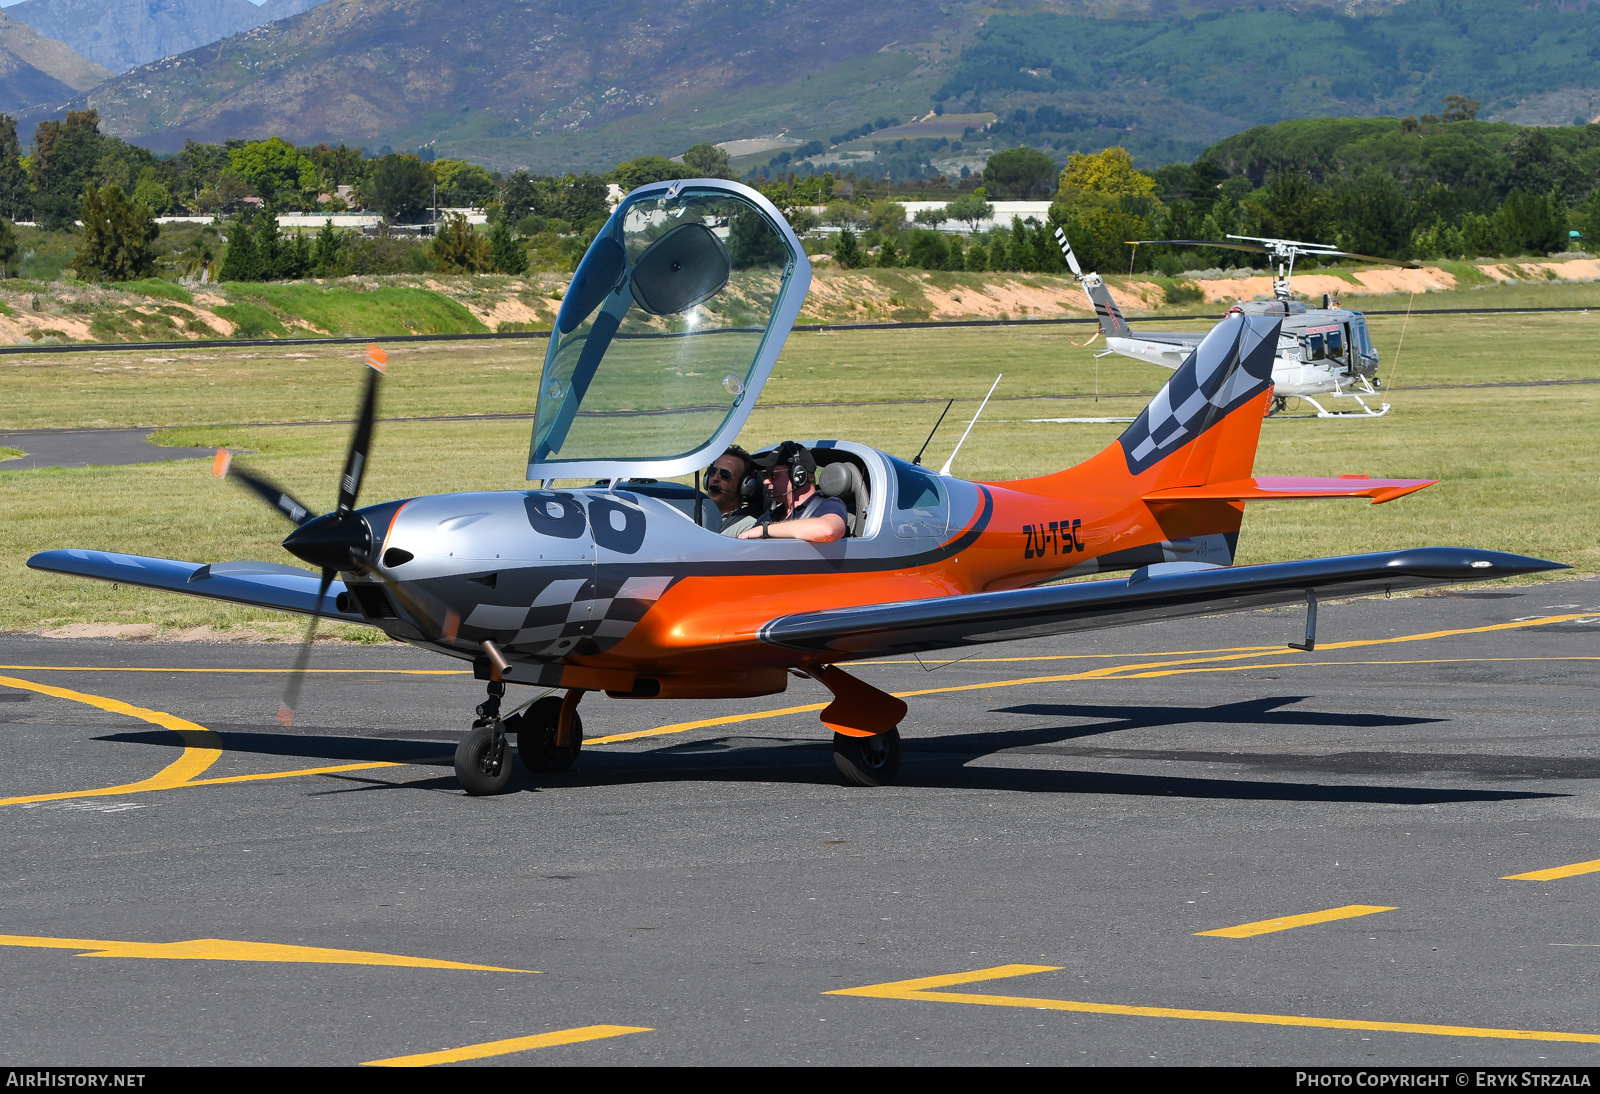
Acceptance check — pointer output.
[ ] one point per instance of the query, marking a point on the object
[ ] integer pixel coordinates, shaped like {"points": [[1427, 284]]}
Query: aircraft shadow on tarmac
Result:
{"points": [[945, 762]]}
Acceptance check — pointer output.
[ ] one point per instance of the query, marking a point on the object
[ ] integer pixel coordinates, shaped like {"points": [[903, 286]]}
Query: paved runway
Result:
{"points": [[89, 448], [1072, 817]]}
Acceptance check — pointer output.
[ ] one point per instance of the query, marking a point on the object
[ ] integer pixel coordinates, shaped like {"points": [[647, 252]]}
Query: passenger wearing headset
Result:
{"points": [[731, 482], [798, 511]]}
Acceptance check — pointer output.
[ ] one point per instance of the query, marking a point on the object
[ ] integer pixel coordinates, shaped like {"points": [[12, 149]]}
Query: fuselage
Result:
{"points": [[1320, 351], [605, 587]]}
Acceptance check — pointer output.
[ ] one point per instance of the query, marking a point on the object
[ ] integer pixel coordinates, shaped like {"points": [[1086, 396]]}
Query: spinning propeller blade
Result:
{"points": [[355, 462], [268, 491], [302, 660], [334, 540]]}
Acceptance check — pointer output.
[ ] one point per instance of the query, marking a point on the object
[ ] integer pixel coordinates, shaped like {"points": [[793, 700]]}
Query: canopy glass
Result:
{"points": [[667, 332]]}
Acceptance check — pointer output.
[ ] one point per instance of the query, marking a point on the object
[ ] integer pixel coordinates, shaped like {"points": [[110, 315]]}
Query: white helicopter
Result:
{"points": [[1322, 351]]}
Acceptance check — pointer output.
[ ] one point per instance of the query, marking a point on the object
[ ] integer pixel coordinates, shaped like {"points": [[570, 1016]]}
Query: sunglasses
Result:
{"points": [[720, 473]]}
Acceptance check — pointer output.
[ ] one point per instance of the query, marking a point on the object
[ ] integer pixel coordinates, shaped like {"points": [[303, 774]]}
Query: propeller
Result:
{"points": [[331, 541]]}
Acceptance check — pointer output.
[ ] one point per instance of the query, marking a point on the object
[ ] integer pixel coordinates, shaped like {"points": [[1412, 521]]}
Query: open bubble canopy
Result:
{"points": [[667, 333]]}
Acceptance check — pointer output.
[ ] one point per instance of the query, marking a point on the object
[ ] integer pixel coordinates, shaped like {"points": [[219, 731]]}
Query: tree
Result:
{"points": [[337, 166], [707, 161], [274, 169], [117, 237], [519, 197], [848, 253], [152, 194], [8, 249], [1020, 173], [843, 214], [1295, 207], [462, 184], [326, 255], [240, 262], [1459, 108], [970, 209], [752, 242], [507, 253], [1107, 174], [929, 250], [400, 187], [15, 201], [886, 216], [458, 248], [632, 174], [64, 157]]}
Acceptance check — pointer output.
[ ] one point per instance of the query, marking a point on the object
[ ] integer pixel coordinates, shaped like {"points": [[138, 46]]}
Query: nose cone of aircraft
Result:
{"points": [[326, 541]]}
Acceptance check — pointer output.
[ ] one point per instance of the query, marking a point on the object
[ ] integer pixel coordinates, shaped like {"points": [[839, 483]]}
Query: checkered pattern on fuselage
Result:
{"points": [[569, 610], [1230, 366]]}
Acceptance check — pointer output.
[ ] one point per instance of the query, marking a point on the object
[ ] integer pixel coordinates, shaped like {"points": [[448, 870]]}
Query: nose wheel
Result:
{"points": [[483, 761]]}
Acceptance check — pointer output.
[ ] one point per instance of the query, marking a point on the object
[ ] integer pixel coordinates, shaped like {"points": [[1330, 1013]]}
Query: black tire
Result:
{"points": [[536, 736], [473, 768], [868, 761]]}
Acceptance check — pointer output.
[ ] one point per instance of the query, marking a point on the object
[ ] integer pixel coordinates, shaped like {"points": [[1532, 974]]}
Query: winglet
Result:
{"points": [[220, 465], [377, 358]]}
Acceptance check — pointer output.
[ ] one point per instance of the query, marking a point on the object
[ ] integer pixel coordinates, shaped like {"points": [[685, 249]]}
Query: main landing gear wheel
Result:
{"points": [[868, 761], [483, 761], [536, 730]]}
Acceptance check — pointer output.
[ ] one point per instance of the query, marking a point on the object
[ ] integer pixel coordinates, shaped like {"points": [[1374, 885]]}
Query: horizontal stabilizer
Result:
{"points": [[1276, 487], [1146, 597], [258, 584]]}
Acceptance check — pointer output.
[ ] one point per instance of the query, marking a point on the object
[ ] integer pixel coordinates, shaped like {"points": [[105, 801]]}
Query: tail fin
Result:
{"points": [[1094, 287], [1197, 429]]}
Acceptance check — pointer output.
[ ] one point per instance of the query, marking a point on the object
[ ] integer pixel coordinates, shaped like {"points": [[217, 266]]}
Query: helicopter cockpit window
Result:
{"points": [[1312, 348], [1335, 342], [661, 329]]}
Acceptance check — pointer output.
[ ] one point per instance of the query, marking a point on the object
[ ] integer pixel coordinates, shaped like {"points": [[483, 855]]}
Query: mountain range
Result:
{"points": [[124, 34], [579, 84], [35, 69]]}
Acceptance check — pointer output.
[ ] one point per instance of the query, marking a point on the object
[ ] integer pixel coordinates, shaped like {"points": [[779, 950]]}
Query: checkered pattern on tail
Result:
{"points": [[570, 610], [1232, 365]]}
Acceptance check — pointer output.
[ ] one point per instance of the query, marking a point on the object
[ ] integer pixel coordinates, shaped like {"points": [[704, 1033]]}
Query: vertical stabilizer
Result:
{"points": [[1196, 429]]}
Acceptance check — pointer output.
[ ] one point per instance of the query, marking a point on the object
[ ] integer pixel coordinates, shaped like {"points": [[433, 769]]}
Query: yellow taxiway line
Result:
{"points": [[506, 1047], [1289, 922], [1552, 874], [202, 748], [225, 949], [922, 990]]}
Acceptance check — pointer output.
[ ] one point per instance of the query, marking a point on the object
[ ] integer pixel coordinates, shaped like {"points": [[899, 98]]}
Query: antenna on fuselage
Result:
{"points": [[917, 459], [945, 470]]}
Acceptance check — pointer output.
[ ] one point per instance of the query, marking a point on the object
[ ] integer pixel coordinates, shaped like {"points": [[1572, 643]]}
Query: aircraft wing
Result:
{"points": [[1151, 594], [258, 584]]}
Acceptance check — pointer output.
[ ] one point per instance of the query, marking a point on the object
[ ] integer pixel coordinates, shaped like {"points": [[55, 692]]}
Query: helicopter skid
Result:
{"points": [[1365, 411]]}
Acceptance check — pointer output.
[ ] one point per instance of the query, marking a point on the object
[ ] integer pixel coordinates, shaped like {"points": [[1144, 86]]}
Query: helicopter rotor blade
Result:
{"points": [[1403, 263], [355, 461], [291, 507], [291, 691], [1255, 248]]}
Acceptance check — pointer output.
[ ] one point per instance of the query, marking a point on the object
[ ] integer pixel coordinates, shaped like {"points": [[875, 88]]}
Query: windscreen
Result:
{"points": [[661, 329]]}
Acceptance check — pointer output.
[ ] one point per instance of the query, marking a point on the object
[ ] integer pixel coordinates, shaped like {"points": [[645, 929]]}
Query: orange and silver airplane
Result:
{"points": [[665, 337]]}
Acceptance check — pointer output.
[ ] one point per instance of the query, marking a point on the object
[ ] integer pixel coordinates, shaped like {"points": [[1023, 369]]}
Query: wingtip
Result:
{"points": [[223, 461], [285, 716]]}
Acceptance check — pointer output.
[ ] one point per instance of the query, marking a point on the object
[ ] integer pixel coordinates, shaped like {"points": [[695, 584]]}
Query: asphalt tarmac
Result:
{"points": [[89, 448], [1072, 816]]}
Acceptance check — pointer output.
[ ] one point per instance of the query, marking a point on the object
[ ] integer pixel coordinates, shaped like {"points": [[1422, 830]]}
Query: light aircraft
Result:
{"points": [[667, 333], [1322, 351]]}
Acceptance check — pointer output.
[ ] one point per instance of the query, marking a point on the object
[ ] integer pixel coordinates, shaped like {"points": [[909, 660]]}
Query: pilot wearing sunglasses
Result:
{"points": [[725, 479]]}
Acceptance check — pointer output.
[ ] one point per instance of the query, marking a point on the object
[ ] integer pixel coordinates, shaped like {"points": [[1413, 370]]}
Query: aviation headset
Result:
{"points": [[749, 485], [799, 462]]}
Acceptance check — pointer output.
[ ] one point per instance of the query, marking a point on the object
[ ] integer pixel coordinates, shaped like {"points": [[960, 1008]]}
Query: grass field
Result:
{"points": [[1519, 463]]}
